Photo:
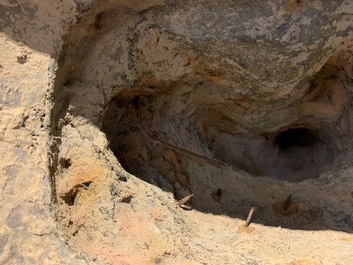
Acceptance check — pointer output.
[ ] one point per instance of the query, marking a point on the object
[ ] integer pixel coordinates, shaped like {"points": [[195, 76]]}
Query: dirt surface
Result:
{"points": [[113, 111]]}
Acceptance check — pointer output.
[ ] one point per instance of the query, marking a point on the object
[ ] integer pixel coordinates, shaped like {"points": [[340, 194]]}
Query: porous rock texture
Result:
{"points": [[112, 111]]}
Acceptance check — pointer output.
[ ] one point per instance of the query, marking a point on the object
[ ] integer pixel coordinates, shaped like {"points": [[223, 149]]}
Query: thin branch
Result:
{"points": [[248, 220], [287, 202], [184, 200], [148, 135]]}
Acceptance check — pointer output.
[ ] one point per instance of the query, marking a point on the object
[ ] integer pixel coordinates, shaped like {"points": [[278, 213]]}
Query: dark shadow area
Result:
{"points": [[299, 137], [144, 150]]}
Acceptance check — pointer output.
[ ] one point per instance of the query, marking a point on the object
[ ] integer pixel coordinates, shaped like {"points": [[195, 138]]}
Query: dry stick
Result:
{"points": [[249, 217], [287, 202], [185, 199], [149, 136]]}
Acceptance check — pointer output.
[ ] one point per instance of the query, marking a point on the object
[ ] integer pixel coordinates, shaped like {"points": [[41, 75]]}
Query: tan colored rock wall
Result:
{"points": [[111, 111], [29, 232]]}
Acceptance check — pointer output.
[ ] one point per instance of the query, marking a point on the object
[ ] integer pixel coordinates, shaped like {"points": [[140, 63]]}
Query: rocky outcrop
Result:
{"points": [[111, 111]]}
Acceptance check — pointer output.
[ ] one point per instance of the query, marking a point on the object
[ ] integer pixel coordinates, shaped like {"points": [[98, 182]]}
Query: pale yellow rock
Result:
{"points": [[112, 111]]}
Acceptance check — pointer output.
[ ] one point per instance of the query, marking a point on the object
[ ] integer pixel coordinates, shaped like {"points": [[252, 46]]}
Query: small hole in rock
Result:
{"points": [[217, 195], [127, 199], [65, 163], [22, 59], [69, 197], [298, 137]]}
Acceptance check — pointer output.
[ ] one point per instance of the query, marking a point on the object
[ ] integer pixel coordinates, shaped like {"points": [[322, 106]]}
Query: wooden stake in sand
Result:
{"points": [[287, 202], [184, 200], [248, 220]]}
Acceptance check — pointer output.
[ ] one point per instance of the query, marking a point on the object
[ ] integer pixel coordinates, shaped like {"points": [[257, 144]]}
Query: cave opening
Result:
{"points": [[296, 137]]}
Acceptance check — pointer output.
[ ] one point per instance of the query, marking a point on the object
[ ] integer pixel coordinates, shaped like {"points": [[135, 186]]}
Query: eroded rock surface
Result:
{"points": [[111, 111]]}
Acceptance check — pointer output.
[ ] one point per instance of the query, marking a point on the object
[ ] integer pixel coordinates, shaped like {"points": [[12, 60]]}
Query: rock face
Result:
{"points": [[111, 111]]}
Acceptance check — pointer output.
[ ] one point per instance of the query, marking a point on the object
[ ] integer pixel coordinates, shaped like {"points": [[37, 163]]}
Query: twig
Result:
{"points": [[148, 135], [184, 200], [287, 202], [249, 217]]}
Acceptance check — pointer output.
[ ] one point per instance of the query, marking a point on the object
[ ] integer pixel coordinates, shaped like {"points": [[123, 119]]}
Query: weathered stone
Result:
{"points": [[241, 103]]}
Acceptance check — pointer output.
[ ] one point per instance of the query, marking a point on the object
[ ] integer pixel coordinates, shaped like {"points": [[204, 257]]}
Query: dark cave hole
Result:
{"points": [[65, 163], [297, 137]]}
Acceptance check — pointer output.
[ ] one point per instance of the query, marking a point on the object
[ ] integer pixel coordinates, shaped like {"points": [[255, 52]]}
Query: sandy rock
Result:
{"points": [[112, 111]]}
